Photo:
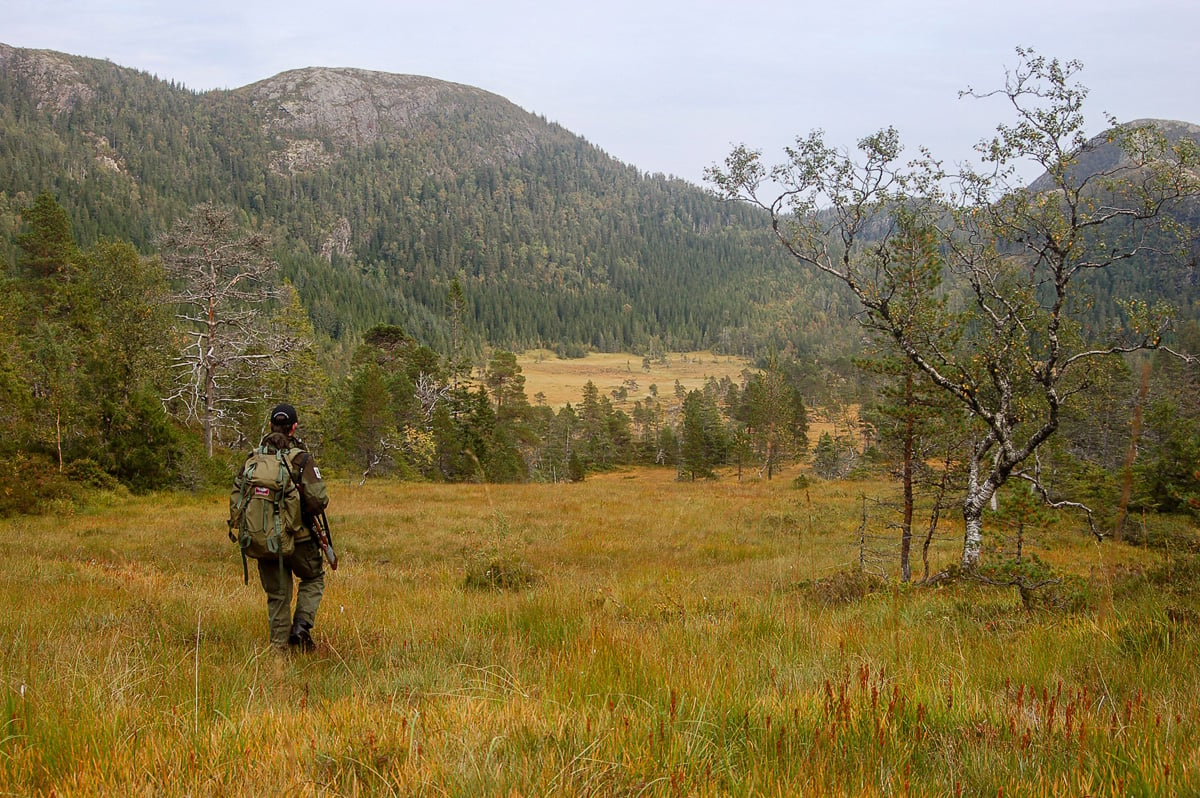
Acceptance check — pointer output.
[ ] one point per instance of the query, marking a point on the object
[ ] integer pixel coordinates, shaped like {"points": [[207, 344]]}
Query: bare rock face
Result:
{"points": [[1102, 154], [315, 116], [338, 240], [356, 107], [54, 82], [300, 155], [105, 155]]}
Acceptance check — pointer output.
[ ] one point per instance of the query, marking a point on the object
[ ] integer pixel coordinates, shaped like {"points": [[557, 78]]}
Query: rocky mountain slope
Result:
{"points": [[381, 189], [352, 108], [1102, 154]]}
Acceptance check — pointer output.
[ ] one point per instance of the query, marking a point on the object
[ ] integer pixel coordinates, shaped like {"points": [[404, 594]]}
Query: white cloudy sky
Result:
{"points": [[669, 85]]}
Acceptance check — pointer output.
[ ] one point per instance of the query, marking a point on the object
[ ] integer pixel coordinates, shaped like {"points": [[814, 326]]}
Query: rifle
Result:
{"points": [[321, 528]]}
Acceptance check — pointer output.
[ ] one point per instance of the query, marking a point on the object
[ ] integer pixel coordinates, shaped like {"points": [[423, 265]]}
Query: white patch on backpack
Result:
{"points": [[317, 471], [261, 491]]}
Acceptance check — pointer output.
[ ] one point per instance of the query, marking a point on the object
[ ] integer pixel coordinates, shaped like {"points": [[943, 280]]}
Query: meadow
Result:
{"points": [[561, 380], [629, 635]]}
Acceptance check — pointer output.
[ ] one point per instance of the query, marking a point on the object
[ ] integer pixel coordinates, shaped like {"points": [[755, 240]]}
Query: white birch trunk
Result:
{"points": [[973, 517]]}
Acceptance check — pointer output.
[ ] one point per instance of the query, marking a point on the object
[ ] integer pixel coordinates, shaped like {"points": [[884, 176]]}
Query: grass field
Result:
{"points": [[657, 638], [562, 381]]}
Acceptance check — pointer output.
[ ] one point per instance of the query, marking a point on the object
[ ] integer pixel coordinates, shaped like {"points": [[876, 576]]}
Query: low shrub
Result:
{"points": [[842, 587], [499, 565], [503, 573], [1039, 585], [29, 483]]}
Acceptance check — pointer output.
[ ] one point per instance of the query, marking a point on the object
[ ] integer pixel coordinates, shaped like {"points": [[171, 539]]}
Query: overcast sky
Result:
{"points": [[666, 85]]}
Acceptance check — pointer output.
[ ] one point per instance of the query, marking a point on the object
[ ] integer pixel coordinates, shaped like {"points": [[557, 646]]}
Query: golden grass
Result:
{"points": [[667, 647], [562, 380]]}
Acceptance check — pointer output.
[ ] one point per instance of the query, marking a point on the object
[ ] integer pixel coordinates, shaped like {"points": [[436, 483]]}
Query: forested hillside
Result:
{"points": [[380, 189], [1156, 274], [398, 238], [368, 246]]}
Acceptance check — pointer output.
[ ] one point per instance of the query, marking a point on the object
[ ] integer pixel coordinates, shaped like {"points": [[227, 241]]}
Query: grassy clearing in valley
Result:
{"points": [[562, 380], [675, 639]]}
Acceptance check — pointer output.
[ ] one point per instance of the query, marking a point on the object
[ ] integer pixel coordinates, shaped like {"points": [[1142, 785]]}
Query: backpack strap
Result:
{"points": [[241, 516], [299, 462], [285, 476]]}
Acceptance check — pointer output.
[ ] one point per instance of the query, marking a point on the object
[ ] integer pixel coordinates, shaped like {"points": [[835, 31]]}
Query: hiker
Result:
{"points": [[277, 498]]}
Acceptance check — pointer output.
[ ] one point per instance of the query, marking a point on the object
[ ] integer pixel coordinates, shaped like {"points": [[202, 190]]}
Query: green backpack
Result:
{"points": [[267, 517]]}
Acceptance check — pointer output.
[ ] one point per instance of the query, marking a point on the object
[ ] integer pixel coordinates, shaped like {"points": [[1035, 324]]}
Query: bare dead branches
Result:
{"points": [[429, 393], [379, 455], [223, 278]]}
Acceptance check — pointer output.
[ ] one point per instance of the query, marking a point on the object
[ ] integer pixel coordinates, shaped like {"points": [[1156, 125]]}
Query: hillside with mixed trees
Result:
{"points": [[378, 190], [396, 239], [410, 229]]}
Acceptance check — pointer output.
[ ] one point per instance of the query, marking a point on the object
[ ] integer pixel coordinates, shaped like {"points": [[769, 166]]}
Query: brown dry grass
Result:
{"points": [[562, 380], [668, 646]]}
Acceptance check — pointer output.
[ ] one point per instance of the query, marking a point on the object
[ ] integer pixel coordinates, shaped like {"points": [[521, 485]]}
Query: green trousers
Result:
{"points": [[305, 565]]}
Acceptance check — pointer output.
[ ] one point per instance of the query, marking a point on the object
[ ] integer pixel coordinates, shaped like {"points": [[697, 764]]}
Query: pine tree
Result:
{"points": [[57, 315], [295, 374], [704, 444], [775, 417]]}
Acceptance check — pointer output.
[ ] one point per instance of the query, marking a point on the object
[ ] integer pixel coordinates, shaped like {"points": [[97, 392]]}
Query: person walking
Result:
{"points": [[296, 554]]}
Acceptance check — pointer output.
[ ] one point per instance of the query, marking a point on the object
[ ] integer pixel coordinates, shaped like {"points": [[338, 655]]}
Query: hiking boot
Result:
{"points": [[300, 638]]}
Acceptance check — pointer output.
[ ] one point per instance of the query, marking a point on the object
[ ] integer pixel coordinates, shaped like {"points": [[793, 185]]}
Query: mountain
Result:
{"points": [[321, 112], [1152, 277], [1102, 153], [381, 189]]}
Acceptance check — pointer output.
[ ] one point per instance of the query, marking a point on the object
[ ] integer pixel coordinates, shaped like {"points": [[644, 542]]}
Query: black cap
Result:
{"points": [[284, 414]]}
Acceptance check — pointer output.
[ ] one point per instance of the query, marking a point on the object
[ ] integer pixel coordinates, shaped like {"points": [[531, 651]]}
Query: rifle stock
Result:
{"points": [[321, 528]]}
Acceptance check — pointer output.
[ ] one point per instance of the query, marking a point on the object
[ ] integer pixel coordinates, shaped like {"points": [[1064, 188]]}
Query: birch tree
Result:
{"points": [[224, 280], [1002, 335]]}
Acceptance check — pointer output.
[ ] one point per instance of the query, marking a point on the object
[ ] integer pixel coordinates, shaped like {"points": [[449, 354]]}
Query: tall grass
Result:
{"points": [[665, 639]]}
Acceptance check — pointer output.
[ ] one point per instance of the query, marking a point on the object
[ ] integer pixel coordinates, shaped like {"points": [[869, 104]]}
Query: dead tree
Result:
{"points": [[223, 281]]}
